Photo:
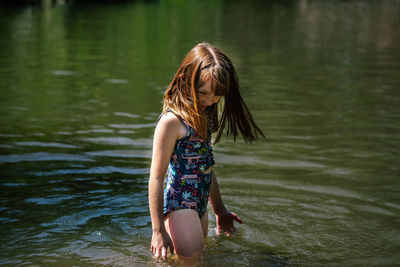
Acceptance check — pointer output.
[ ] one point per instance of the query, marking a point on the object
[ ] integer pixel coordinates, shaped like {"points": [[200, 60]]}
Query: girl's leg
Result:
{"points": [[204, 224], [186, 231]]}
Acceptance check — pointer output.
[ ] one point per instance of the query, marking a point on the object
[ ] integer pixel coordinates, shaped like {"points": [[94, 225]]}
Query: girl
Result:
{"points": [[203, 98]]}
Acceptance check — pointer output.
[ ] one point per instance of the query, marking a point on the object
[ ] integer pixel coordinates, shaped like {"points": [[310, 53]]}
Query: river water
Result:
{"points": [[81, 88]]}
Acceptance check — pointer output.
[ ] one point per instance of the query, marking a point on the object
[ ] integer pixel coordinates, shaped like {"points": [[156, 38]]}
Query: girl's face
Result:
{"points": [[206, 97]]}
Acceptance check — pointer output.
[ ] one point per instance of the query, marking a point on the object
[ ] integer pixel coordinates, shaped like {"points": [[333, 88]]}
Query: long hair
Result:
{"points": [[206, 63]]}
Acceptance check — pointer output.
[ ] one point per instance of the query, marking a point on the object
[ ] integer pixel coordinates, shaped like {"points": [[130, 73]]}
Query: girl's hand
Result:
{"points": [[160, 243], [225, 223]]}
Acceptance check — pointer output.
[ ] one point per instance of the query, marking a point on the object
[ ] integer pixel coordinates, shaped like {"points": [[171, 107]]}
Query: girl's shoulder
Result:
{"points": [[172, 123], [169, 120]]}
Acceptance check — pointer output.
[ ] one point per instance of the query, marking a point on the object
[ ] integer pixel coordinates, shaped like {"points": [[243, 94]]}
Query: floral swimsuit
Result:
{"points": [[187, 186]]}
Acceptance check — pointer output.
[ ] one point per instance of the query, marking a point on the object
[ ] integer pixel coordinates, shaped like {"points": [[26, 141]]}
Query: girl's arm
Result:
{"points": [[165, 136], [224, 217]]}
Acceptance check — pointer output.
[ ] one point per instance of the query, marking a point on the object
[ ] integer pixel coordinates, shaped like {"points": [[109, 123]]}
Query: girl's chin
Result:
{"points": [[204, 108]]}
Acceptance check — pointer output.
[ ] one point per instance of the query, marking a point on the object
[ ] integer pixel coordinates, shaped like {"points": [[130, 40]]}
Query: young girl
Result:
{"points": [[203, 98]]}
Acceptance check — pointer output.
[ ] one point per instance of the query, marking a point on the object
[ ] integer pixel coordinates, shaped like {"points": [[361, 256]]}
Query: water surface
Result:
{"points": [[81, 89]]}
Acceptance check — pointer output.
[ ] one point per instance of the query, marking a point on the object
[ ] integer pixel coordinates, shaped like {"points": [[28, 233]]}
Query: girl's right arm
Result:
{"points": [[165, 136]]}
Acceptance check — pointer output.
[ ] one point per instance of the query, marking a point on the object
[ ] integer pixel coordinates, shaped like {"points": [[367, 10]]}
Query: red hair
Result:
{"points": [[206, 63]]}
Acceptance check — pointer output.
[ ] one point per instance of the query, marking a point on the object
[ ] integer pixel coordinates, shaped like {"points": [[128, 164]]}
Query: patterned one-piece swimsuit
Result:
{"points": [[187, 186]]}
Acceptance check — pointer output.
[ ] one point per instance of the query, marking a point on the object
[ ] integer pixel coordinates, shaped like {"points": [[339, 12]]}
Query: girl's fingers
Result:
{"points": [[157, 254], [231, 231], [161, 252], [236, 218]]}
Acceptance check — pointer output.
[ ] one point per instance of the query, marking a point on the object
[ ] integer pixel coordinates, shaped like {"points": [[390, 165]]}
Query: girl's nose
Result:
{"points": [[209, 102], [212, 100], [215, 99]]}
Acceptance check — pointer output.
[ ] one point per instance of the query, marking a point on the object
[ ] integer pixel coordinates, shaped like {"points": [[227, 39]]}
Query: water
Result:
{"points": [[81, 88]]}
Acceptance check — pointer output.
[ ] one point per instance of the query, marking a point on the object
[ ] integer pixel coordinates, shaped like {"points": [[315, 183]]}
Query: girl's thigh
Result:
{"points": [[186, 231]]}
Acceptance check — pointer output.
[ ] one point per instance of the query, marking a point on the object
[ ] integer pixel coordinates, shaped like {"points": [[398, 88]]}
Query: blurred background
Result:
{"points": [[81, 84]]}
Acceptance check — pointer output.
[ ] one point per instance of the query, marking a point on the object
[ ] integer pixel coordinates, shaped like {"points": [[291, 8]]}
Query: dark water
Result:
{"points": [[81, 88]]}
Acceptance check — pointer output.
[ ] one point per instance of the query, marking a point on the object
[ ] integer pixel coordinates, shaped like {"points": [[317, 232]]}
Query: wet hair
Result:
{"points": [[206, 63]]}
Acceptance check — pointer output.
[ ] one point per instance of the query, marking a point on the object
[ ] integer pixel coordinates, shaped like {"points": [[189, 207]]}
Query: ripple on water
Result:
{"points": [[375, 209], [102, 255], [42, 156], [117, 81], [45, 144], [63, 133], [121, 153], [8, 220], [245, 159], [50, 200], [77, 219], [95, 131], [339, 172], [123, 141], [125, 114], [6, 146], [14, 184], [315, 213], [299, 137], [10, 135], [126, 132], [94, 170], [100, 191], [392, 205], [326, 190], [63, 72], [129, 225], [133, 126]]}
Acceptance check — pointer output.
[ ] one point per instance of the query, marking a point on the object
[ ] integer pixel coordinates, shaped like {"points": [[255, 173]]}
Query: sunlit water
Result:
{"points": [[81, 89]]}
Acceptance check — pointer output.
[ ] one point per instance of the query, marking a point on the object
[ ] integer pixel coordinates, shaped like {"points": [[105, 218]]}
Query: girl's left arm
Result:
{"points": [[224, 217]]}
